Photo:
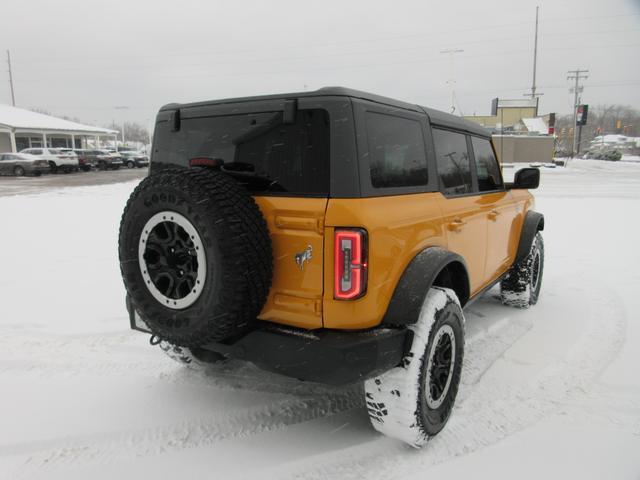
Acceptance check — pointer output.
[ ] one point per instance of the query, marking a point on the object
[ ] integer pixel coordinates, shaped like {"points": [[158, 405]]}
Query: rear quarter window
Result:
{"points": [[397, 156]]}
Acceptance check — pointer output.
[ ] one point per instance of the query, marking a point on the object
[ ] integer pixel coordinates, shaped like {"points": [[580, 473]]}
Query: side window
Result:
{"points": [[454, 164], [397, 156], [35, 152], [489, 175]]}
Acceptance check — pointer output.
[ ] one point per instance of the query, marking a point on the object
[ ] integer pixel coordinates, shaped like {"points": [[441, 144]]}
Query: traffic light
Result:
{"points": [[583, 111]]}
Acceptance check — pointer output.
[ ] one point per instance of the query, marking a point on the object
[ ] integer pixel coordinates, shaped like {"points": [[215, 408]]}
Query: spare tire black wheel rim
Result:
{"points": [[440, 365], [172, 260]]}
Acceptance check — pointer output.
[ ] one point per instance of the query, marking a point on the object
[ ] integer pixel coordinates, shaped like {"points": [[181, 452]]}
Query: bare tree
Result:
{"points": [[133, 131], [602, 120]]}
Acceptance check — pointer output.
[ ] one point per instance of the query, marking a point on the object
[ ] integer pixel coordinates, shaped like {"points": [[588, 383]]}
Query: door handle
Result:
{"points": [[456, 225], [493, 215]]}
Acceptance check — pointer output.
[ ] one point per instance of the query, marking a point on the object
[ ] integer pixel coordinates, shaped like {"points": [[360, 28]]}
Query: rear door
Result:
{"points": [[283, 161], [464, 218], [297, 235]]}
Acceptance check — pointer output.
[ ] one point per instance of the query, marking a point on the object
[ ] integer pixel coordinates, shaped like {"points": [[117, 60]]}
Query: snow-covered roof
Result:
{"points": [[517, 103], [535, 125], [19, 118]]}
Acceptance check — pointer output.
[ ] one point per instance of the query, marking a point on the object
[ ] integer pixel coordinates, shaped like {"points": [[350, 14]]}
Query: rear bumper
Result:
{"points": [[324, 356]]}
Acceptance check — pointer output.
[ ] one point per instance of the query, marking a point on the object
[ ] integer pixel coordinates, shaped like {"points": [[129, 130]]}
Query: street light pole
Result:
{"points": [[13, 96], [122, 107]]}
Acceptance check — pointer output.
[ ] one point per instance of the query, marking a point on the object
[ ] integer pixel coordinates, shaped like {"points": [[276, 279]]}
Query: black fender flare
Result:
{"points": [[416, 280], [533, 223]]}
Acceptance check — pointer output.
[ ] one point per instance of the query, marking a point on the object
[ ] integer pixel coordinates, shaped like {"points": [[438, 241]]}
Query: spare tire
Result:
{"points": [[195, 255]]}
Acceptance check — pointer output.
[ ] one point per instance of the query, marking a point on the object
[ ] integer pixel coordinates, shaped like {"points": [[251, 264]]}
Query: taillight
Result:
{"points": [[205, 162], [350, 264]]}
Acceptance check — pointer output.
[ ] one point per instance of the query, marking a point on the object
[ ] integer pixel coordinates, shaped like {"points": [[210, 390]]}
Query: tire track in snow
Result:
{"points": [[488, 345], [192, 433], [490, 411]]}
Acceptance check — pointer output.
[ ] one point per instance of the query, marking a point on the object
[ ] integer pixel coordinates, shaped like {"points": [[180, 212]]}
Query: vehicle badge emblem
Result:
{"points": [[304, 256]]}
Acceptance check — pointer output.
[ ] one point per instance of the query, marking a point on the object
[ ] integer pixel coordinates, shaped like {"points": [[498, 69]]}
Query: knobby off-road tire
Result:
{"points": [[521, 286], [194, 359], [413, 402], [201, 224]]}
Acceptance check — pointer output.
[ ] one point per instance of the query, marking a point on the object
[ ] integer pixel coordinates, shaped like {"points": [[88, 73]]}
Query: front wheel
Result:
{"points": [[18, 171], [521, 286], [131, 165], [413, 401], [54, 167]]}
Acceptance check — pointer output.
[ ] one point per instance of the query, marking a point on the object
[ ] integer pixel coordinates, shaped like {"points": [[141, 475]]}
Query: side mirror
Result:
{"points": [[526, 178]]}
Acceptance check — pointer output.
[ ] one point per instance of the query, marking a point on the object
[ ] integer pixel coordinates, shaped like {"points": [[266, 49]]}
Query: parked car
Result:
{"points": [[132, 159], [115, 160], [85, 160], [102, 159], [20, 164], [58, 161], [331, 236]]}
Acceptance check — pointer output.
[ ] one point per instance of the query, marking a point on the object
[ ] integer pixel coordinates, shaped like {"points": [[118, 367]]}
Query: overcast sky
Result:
{"points": [[84, 58]]}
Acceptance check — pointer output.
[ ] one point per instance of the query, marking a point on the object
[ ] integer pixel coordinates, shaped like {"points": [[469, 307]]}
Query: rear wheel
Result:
{"points": [[18, 171], [130, 164], [54, 167], [413, 402]]}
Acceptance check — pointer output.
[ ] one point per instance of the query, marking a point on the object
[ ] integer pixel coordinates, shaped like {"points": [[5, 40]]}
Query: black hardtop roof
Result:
{"points": [[437, 117]]}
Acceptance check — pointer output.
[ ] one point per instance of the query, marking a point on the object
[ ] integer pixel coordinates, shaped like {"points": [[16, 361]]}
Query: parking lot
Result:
{"points": [[27, 185]]}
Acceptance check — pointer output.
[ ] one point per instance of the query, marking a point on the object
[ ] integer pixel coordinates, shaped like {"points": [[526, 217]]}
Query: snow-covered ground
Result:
{"points": [[549, 392]]}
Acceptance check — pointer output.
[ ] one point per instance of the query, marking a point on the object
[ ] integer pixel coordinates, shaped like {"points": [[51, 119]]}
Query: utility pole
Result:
{"points": [[13, 96], [452, 80], [577, 89]]}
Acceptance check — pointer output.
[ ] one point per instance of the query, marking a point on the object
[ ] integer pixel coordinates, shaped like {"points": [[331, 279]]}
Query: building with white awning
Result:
{"points": [[20, 129]]}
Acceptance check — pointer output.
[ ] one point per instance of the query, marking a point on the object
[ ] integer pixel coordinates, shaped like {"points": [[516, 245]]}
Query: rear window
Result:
{"points": [[262, 152]]}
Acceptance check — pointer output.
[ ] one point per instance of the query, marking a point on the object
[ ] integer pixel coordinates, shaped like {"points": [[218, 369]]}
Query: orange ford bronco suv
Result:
{"points": [[331, 236]]}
